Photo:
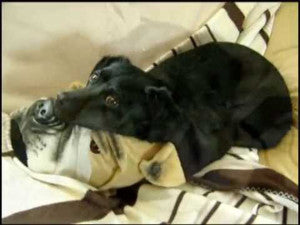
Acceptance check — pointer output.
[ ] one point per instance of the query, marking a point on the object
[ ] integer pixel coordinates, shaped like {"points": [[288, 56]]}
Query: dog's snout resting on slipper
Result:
{"points": [[204, 101]]}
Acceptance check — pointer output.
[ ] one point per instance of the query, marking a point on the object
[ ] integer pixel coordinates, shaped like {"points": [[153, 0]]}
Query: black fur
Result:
{"points": [[204, 101]]}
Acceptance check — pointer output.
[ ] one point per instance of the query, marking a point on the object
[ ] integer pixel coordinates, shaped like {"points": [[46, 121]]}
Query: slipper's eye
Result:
{"points": [[111, 101]]}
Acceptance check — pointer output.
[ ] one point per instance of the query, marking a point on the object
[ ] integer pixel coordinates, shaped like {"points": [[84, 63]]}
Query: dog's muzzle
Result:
{"points": [[67, 106]]}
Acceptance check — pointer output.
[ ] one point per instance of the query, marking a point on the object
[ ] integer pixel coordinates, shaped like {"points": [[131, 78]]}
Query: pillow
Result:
{"points": [[282, 51]]}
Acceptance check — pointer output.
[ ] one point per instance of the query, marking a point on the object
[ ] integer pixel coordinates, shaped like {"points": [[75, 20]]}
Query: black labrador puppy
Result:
{"points": [[204, 101]]}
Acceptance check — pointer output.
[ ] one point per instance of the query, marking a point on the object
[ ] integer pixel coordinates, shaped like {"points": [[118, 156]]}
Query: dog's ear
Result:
{"points": [[107, 60], [156, 93], [160, 101], [122, 59]]}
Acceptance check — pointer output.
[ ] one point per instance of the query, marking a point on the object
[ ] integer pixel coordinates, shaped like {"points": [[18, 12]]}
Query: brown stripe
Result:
{"points": [[193, 41], [284, 215], [268, 15], [266, 196], [211, 34], [207, 193], [174, 52], [264, 35], [235, 14], [127, 196], [251, 219], [235, 156], [174, 211], [10, 154], [211, 212], [229, 179], [240, 202], [258, 207], [92, 207]]}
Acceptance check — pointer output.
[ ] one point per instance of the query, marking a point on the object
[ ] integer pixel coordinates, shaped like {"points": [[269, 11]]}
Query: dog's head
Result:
{"points": [[119, 98], [36, 135]]}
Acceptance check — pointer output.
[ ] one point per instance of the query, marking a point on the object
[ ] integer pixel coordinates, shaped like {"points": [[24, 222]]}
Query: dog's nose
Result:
{"points": [[44, 111], [65, 107], [68, 104]]}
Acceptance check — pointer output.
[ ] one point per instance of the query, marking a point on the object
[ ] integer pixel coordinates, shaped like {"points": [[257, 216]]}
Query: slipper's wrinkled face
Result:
{"points": [[46, 145], [103, 159], [42, 133]]}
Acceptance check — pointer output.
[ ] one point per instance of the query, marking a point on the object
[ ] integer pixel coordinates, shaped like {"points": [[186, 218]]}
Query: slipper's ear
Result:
{"points": [[17, 115], [17, 142], [164, 168], [12, 140]]}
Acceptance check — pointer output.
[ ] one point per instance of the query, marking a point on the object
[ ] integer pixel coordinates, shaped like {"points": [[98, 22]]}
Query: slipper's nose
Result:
{"points": [[44, 111]]}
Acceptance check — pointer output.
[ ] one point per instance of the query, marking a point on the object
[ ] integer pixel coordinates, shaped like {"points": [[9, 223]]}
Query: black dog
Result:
{"points": [[204, 101]]}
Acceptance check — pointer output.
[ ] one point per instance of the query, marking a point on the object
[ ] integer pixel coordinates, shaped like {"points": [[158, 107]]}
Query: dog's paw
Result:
{"points": [[76, 85]]}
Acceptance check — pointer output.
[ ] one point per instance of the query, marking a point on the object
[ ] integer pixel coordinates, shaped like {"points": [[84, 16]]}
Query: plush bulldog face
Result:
{"points": [[42, 133], [46, 145], [102, 159]]}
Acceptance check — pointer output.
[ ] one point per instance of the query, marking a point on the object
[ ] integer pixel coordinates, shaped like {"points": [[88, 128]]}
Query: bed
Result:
{"points": [[48, 46]]}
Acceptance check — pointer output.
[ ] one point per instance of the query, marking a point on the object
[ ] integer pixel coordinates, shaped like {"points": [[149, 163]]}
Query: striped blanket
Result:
{"points": [[235, 189]]}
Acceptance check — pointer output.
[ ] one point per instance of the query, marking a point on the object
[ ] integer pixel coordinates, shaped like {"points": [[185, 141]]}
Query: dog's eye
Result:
{"points": [[111, 101], [94, 77]]}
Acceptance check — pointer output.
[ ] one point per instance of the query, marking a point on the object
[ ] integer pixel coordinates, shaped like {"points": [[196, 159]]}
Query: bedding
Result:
{"points": [[236, 184], [229, 186]]}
